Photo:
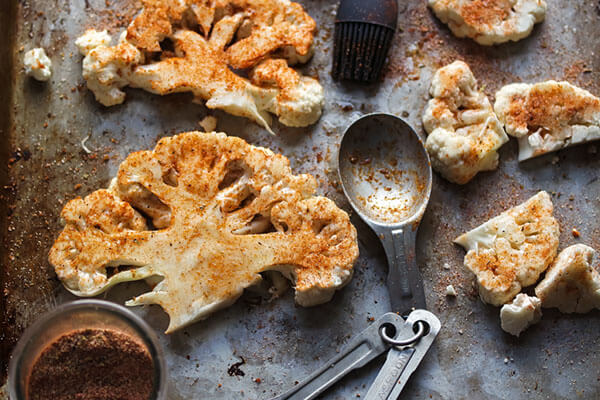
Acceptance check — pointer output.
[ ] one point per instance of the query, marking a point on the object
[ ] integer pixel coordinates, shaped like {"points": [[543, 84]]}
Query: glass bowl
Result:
{"points": [[82, 314]]}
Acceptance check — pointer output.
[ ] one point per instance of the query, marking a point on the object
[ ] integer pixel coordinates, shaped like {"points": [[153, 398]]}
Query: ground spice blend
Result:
{"points": [[92, 364]]}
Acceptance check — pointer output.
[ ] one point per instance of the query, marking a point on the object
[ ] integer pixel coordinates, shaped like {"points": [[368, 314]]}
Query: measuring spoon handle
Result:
{"points": [[404, 281], [359, 351]]}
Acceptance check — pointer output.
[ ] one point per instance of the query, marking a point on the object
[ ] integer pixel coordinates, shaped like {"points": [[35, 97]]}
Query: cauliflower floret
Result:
{"points": [[108, 69], [490, 22], [571, 283], [293, 57], [37, 64], [548, 116], [234, 35], [208, 123], [304, 105], [519, 315], [220, 212], [92, 39], [510, 251], [464, 133], [300, 100]]}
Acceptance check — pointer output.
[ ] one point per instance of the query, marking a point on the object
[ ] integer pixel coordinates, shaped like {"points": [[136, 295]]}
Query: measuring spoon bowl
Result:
{"points": [[386, 175]]}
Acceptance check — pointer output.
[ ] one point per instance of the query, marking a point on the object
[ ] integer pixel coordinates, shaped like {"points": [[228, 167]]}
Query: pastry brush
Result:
{"points": [[364, 30]]}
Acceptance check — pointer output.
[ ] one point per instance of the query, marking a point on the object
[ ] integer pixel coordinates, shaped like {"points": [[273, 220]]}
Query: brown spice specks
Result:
{"points": [[99, 364]]}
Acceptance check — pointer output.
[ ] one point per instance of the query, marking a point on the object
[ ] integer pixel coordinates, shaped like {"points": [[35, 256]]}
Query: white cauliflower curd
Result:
{"points": [[571, 284], [37, 64], [548, 116], [490, 22], [463, 131], [304, 105], [108, 69], [300, 100], [92, 39], [510, 251], [519, 315]]}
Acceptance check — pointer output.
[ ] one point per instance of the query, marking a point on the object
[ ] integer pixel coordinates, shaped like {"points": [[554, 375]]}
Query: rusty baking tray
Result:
{"points": [[42, 165]]}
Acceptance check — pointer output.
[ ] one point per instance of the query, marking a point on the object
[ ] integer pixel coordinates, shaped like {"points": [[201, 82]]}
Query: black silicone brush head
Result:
{"points": [[364, 30]]}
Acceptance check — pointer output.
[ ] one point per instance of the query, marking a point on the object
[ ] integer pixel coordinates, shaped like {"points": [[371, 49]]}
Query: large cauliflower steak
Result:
{"points": [[219, 213], [490, 22], [510, 251], [571, 284], [463, 131], [548, 116], [196, 45]]}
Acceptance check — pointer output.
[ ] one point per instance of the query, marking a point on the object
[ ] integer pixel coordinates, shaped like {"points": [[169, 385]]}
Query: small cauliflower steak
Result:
{"points": [[37, 64], [219, 212], [464, 133], [195, 46], [490, 22], [510, 251], [548, 116], [519, 315], [571, 283]]}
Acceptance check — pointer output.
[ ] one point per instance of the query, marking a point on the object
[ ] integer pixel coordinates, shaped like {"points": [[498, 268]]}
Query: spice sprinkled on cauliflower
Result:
{"points": [[108, 69], [92, 39], [464, 133], [201, 46], [571, 283], [205, 214], [37, 64], [490, 22], [548, 116], [519, 315], [510, 251]]}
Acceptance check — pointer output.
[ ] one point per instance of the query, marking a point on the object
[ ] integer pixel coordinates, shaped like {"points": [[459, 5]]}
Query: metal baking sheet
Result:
{"points": [[43, 165]]}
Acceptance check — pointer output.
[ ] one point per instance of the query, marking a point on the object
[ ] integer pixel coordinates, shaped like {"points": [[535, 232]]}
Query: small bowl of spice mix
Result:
{"points": [[88, 350]]}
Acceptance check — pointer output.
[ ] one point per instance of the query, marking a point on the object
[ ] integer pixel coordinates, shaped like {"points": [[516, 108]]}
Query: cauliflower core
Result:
{"points": [[571, 283], [519, 315], [548, 116], [206, 214], [464, 133], [490, 22], [37, 64], [196, 45], [510, 251]]}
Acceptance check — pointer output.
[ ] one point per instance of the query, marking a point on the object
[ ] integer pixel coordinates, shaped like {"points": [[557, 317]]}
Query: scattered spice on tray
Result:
{"points": [[90, 364]]}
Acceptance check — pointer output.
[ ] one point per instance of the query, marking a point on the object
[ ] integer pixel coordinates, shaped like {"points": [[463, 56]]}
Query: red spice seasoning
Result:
{"points": [[92, 364]]}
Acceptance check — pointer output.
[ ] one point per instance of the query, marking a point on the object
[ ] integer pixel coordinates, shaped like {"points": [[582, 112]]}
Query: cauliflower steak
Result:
{"points": [[571, 283], [205, 214], [548, 116], [512, 250], [196, 45], [490, 22], [464, 134]]}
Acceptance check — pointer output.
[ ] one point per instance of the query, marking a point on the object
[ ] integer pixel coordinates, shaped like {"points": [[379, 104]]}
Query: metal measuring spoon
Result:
{"points": [[386, 175]]}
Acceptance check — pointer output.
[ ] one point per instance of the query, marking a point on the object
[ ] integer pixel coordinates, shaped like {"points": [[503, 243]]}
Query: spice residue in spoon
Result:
{"points": [[94, 364]]}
